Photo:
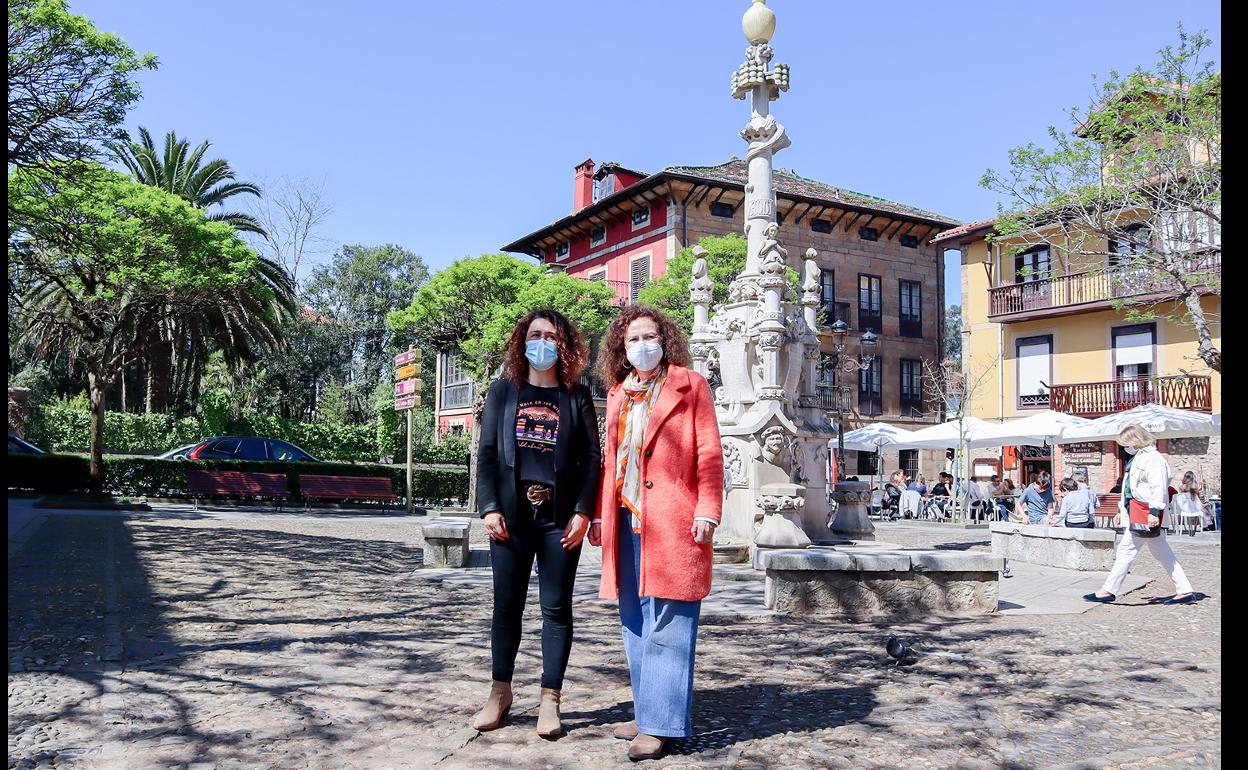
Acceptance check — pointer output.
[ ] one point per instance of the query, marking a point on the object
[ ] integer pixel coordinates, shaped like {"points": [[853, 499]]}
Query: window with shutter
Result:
{"points": [[1034, 355], [639, 273]]}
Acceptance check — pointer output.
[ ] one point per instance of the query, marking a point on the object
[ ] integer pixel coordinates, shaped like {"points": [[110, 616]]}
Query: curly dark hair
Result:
{"points": [[573, 352], [613, 365]]}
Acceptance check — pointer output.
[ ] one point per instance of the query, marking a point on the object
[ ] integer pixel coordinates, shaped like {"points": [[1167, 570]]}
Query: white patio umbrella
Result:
{"points": [[1161, 421], [947, 434], [1034, 430], [872, 438]]}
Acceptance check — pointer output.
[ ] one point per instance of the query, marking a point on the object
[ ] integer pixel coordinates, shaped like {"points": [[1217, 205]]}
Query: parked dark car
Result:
{"points": [[16, 444], [248, 448], [180, 453]]}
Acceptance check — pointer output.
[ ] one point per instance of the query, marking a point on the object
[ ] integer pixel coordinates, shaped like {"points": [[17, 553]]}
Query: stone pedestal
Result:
{"points": [[852, 521], [446, 543], [782, 518], [1089, 550]]}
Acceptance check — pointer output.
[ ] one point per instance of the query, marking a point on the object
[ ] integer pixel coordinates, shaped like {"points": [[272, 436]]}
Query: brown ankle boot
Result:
{"points": [[548, 724], [496, 707], [646, 747]]}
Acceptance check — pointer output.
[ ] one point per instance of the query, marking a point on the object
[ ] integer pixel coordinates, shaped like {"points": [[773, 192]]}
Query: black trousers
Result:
{"points": [[512, 563]]}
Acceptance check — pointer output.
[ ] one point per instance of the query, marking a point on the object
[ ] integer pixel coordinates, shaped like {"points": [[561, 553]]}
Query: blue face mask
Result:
{"points": [[542, 354]]}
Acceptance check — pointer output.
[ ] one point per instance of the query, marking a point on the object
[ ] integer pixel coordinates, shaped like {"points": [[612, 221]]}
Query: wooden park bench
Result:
{"points": [[347, 488], [238, 484]]}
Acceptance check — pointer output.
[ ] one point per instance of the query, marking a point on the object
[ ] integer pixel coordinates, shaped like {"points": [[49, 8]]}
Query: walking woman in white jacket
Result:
{"points": [[1145, 485]]}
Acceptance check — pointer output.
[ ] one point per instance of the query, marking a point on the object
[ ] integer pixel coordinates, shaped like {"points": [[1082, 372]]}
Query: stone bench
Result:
{"points": [[1070, 548], [866, 583], [446, 542]]}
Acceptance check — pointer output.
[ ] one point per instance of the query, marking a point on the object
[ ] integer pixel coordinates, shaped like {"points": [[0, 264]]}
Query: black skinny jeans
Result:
{"points": [[512, 562]]}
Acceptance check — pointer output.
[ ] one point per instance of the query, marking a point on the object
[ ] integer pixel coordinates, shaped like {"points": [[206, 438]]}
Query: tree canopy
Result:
{"points": [[69, 85], [358, 289], [1133, 191], [107, 258], [726, 256], [670, 291]]}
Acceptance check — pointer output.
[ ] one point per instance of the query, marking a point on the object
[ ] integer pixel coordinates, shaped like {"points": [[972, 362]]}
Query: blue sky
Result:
{"points": [[451, 128]]}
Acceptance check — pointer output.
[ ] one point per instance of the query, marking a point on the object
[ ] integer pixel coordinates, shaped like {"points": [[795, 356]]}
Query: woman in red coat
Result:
{"points": [[659, 504]]}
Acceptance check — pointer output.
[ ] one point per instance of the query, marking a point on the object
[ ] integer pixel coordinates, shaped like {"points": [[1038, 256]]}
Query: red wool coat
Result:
{"points": [[682, 474]]}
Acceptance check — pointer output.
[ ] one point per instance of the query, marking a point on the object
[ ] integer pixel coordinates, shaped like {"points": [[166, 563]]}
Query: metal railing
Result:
{"points": [[1094, 399], [823, 398], [1093, 286]]}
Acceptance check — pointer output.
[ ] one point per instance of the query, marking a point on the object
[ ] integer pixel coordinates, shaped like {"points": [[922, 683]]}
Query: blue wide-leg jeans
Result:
{"points": [[660, 636]]}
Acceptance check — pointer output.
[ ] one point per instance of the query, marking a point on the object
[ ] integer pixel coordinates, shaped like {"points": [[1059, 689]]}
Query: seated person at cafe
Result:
{"points": [[918, 485], [1036, 501], [1081, 479], [940, 495], [1077, 506], [1005, 499]]}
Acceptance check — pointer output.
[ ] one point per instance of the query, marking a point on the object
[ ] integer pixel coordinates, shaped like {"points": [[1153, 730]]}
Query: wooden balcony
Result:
{"points": [[1096, 399], [1087, 291]]}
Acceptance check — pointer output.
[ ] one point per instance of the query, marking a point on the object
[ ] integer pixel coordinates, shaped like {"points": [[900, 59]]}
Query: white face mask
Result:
{"points": [[645, 354], [1130, 450]]}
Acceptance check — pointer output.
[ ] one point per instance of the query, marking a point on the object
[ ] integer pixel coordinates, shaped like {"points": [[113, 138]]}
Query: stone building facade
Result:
{"points": [[874, 256]]}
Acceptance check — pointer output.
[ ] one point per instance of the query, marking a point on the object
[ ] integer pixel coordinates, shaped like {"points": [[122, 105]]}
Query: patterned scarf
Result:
{"points": [[639, 398]]}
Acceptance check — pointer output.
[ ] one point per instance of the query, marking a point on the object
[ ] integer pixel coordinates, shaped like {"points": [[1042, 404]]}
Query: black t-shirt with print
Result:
{"points": [[537, 430]]}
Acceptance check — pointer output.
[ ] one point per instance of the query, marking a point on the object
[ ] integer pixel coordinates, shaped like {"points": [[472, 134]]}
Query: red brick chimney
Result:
{"points": [[583, 185]]}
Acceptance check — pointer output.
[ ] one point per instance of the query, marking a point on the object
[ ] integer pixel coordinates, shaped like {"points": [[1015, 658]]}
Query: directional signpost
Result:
{"points": [[407, 399]]}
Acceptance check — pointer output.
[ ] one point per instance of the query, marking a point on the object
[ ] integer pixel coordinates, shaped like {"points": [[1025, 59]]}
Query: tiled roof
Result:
{"points": [[964, 230], [788, 181], [736, 172]]}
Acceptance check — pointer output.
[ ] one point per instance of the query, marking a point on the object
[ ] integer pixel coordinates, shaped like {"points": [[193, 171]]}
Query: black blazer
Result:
{"points": [[578, 458]]}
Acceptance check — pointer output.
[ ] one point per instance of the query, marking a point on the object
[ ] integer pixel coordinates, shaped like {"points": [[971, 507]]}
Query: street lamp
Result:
{"points": [[867, 346]]}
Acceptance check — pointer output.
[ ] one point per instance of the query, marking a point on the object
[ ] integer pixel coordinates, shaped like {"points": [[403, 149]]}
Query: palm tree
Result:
{"points": [[183, 172], [241, 326]]}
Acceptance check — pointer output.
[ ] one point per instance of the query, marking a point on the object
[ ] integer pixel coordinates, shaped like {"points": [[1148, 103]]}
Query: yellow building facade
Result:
{"points": [[1040, 335]]}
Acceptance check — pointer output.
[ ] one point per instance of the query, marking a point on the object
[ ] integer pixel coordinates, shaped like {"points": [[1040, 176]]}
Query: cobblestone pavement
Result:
{"points": [[306, 643]]}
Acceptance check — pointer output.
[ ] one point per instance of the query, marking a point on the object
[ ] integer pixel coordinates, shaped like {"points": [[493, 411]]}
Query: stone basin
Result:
{"points": [[879, 580]]}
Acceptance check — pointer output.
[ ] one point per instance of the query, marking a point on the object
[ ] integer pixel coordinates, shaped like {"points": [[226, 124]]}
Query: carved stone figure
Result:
{"points": [[772, 256], [775, 444], [701, 280], [811, 268]]}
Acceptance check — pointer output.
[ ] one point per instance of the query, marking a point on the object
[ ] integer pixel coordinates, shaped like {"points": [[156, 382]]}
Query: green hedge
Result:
{"points": [[144, 476], [61, 428]]}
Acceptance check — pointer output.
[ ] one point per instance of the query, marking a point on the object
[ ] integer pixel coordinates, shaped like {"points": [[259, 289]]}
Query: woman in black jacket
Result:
{"points": [[538, 466]]}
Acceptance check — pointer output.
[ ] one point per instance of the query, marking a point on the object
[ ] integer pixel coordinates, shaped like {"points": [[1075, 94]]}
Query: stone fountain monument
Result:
{"points": [[760, 350]]}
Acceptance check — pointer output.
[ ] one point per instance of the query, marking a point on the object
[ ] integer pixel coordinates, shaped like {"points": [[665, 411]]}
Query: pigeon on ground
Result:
{"points": [[898, 650]]}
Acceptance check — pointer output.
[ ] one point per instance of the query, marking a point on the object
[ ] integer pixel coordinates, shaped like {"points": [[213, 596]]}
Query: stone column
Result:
{"points": [[701, 341]]}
